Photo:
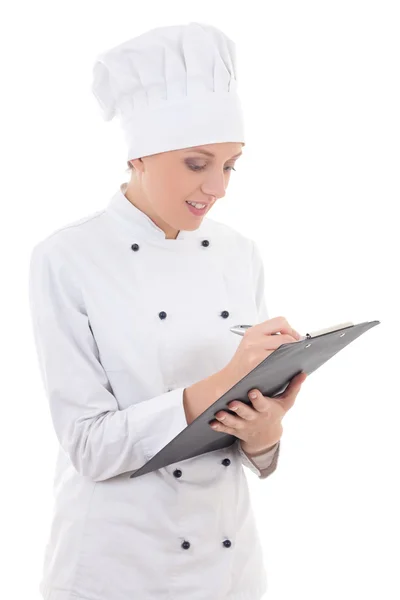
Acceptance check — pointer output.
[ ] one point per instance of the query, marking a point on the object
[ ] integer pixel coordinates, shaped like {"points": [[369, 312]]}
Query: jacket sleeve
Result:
{"points": [[264, 464], [101, 440]]}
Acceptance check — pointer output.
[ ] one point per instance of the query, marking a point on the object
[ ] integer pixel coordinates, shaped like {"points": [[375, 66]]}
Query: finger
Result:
{"points": [[296, 382], [260, 403], [277, 324], [243, 410], [288, 397], [275, 340], [227, 419], [220, 428]]}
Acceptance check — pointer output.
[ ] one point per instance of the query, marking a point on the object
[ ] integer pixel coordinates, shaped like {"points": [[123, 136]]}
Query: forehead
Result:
{"points": [[213, 150]]}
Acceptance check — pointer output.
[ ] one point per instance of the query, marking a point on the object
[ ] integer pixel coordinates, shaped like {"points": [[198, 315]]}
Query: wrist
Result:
{"points": [[202, 394], [224, 380], [252, 453]]}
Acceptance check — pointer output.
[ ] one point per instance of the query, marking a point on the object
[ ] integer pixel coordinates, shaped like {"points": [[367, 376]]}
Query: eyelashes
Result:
{"points": [[197, 168]]}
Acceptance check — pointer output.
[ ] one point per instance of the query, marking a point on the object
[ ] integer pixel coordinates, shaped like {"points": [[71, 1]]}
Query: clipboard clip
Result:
{"points": [[328, 330]]}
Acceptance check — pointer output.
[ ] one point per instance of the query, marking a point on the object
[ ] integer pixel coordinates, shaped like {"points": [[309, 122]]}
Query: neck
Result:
{"points": [[135, 196]]}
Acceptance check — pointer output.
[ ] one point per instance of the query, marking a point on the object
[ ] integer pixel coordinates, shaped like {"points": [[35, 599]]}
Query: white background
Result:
{"points": [[317, 187]]}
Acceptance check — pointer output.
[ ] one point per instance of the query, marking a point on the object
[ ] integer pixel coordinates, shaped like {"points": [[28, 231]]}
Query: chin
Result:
{"points": [[195, 225]]}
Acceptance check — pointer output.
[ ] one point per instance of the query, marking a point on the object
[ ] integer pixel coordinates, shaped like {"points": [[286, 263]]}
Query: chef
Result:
{"points": [[131, 310]]}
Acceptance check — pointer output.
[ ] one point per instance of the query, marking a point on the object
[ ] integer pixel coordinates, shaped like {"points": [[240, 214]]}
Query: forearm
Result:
{"points": [[199, 396]]}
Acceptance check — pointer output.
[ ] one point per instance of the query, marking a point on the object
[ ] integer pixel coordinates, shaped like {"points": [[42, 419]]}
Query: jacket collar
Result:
{"points": [[140, 222]]}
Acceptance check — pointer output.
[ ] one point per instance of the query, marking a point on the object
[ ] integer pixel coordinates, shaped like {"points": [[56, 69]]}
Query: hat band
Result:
{"points": [[211, 117]]}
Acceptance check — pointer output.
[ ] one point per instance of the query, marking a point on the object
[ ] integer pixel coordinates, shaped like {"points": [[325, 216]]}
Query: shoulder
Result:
{"points": [[69, 235]]}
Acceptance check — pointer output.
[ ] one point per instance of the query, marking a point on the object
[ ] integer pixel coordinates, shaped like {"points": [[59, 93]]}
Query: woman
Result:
{"points": [[131, 309]]}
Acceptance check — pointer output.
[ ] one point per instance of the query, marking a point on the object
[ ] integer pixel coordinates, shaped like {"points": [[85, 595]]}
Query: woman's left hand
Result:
{"points": [[260, 427]]}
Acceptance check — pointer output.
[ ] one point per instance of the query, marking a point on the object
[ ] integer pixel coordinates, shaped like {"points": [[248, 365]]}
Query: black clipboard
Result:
{"points": [[271, 377]]}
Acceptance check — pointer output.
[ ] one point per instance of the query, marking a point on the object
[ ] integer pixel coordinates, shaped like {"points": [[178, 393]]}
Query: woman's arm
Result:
{"points": [[101, 440]]}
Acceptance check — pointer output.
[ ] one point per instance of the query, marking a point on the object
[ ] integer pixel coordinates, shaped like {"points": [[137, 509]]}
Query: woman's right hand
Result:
{"points": [[257, 343]]}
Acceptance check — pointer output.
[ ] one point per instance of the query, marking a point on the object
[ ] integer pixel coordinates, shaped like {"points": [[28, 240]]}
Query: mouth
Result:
{"points": [[197, 211]]}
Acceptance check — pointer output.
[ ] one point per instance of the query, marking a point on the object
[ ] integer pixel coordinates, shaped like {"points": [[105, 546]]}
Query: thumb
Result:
{"points": [[288, 397], [295, 382]]}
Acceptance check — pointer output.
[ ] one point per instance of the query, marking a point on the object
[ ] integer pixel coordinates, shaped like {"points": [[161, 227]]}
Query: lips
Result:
{"points": [[197, 211], [206, 203]]}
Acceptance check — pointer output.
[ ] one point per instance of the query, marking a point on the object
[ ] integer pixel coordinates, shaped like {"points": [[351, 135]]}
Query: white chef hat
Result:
{"points": [[172, 87]]}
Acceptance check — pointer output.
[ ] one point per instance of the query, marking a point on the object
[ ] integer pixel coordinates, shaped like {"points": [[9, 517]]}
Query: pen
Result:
{"points": [[240, 330]]}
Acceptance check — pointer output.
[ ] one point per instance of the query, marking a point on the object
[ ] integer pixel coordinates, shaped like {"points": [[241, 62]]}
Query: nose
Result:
{"points": [[215, 187], [212, 196]]}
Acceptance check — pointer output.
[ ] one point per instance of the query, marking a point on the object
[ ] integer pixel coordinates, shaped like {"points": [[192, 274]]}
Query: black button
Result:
{"points": [[177, 473], [225, 314], [135, 247], [226, 462], [205, 243], [185, 545], [227, 543], [162, 315]]}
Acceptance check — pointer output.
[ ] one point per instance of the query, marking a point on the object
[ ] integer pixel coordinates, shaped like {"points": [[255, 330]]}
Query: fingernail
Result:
{"points": [[253, 394]]}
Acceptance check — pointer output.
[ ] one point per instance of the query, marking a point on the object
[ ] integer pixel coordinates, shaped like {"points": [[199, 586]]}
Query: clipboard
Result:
{"points": [[271, 377]]}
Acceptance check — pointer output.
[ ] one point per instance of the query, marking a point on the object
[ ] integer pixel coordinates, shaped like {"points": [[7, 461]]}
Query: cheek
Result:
{"points": [[176, 185], [169, 185]]}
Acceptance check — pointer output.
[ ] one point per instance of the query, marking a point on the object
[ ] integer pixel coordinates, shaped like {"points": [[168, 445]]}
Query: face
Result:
{"points": [[162, 183]]}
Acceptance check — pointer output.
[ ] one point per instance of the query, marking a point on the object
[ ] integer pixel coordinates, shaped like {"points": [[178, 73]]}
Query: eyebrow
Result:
{"points": [[209, 153]]}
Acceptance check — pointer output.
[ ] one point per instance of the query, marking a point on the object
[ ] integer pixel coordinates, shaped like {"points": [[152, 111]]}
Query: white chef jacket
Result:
{"points": [[123, 320]]}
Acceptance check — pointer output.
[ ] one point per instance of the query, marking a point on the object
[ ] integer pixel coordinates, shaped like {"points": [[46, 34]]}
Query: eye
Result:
{"points": [[197, 168]]}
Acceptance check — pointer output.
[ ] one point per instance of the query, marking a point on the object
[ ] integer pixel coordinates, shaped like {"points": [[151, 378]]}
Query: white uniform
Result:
{"points": [[124, 320]]}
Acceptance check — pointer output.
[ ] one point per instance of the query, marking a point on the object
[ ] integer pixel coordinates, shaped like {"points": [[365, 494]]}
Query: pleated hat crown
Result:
{"points": [[172, 87]]}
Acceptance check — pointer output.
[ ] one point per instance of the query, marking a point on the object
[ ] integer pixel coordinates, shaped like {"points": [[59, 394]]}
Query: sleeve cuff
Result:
{"points": [[264, 460], [162, 419], [262, 465]]}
